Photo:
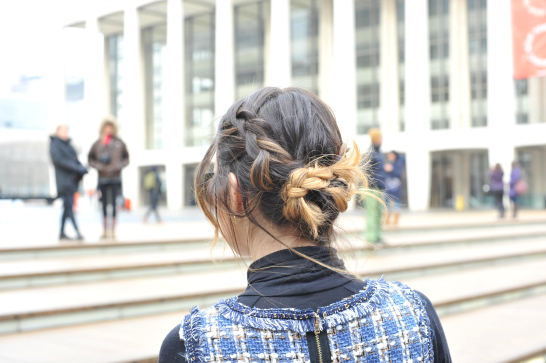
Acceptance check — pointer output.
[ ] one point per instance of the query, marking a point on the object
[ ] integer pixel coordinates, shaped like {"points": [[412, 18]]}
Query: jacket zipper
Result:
{"points": [[317, 332]]}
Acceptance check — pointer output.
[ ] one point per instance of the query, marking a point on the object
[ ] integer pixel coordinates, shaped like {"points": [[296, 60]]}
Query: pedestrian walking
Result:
{"points": [[152, 184], [374, 206], [518, 186], [282, 175], [68, 173], [497, 188], [109, 156], [394, 167]]}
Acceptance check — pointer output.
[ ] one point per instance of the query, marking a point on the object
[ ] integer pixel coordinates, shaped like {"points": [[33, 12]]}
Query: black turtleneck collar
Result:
{"points": [[284, 279]]}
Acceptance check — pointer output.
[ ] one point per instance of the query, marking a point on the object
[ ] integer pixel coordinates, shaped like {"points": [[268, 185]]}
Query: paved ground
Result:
{"points": [[24, 225]]}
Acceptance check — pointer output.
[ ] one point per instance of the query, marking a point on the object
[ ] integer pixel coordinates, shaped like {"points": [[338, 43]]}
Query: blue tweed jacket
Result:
{"points": [[386, 322]]}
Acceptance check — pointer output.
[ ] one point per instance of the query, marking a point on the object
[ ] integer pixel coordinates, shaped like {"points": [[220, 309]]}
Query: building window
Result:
{"points": [[367, 17], [115, 68], [154, 40], [400, 25], [477, 50], [249, 47], [199, 79], [438, 18], [304, 25], [521, 87]]}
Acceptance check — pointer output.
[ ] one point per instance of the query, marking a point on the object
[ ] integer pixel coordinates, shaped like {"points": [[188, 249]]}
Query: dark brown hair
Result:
{"points": [[285, 149]]}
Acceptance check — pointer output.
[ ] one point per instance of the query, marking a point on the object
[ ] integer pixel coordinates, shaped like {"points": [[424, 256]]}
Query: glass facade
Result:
{"points": [[441, 190], [367, 18], [401, 41], [115, 70], [154, 42], [479, 176], [477, 51], [521, 87], [438, 18], [189, 175], [304, 26], [249, 22], [199, 88]]}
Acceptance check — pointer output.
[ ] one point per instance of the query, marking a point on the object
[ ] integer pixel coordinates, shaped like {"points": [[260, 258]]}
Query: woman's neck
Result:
{"points": [[262, 244]]}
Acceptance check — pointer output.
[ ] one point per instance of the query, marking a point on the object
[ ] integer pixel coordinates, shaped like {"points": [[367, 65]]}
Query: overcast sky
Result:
{"points": [[29, 31]]}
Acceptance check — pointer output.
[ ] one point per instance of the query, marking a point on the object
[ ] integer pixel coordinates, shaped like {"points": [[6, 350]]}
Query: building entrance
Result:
{"points": [[460, 179]]}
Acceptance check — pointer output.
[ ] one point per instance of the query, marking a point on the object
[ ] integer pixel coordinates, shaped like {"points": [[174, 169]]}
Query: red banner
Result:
{"points": [[529, 36]]}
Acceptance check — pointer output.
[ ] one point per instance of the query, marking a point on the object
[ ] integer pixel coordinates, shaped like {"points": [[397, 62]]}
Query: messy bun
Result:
{"points": [[337, 183], [285, 149]]}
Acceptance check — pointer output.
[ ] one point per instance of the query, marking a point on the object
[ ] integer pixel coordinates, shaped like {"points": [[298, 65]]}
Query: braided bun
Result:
{"points": [[338, 181]]}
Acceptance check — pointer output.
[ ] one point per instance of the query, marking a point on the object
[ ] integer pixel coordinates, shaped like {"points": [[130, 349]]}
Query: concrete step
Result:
{"points": [[403, 237], [393, 260], [80, 269], [506, 333], [465, 236], [134, 340], [98, 301]]}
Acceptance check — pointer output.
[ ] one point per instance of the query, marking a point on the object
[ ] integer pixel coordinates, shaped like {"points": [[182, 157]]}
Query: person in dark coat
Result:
{"points": [[497, 188], [109, 156], [394, 167], [68, 173]]}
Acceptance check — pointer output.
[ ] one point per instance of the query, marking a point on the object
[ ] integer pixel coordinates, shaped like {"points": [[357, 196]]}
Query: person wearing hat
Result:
{"points": [[109, 155], [373, 206]]}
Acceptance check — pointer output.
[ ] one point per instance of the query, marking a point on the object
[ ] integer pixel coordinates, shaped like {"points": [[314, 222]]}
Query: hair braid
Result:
{"points": [[261, 148]]}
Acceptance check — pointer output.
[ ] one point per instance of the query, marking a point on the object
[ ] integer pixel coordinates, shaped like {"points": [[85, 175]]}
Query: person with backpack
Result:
{"points": [[282, 175], [68, 174], [152, 184]]}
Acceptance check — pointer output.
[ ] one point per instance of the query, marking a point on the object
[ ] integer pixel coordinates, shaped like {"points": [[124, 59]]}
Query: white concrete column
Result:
{"points": [[56, 96], [94, 99], [537, 97], [343, 92], [461, 178], [131, 117], [500, 85], [389, 109], [224, 86], [326, 55], [417, 105], [174, 120], [279, 63], [106, 86], [459, 67]]}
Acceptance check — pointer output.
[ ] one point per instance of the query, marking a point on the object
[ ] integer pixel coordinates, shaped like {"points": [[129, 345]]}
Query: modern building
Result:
{"points": [[434, 75]]}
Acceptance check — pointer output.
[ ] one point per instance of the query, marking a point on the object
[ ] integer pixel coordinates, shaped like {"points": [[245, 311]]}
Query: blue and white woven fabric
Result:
{"points": [[386, 322]]}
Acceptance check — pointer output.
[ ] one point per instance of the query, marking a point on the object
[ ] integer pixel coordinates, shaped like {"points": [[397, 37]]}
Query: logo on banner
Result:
{"points": [[529, 38]]}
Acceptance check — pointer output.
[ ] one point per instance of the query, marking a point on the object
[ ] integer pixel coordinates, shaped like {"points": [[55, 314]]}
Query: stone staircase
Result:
{"points": [[114, 302]]}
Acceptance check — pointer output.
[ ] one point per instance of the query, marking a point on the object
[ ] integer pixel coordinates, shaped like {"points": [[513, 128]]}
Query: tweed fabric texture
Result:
{"points": [[384, 323]]}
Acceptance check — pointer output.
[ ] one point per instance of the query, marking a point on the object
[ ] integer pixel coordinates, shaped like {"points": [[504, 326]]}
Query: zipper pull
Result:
{"points": [[317, 323]]}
